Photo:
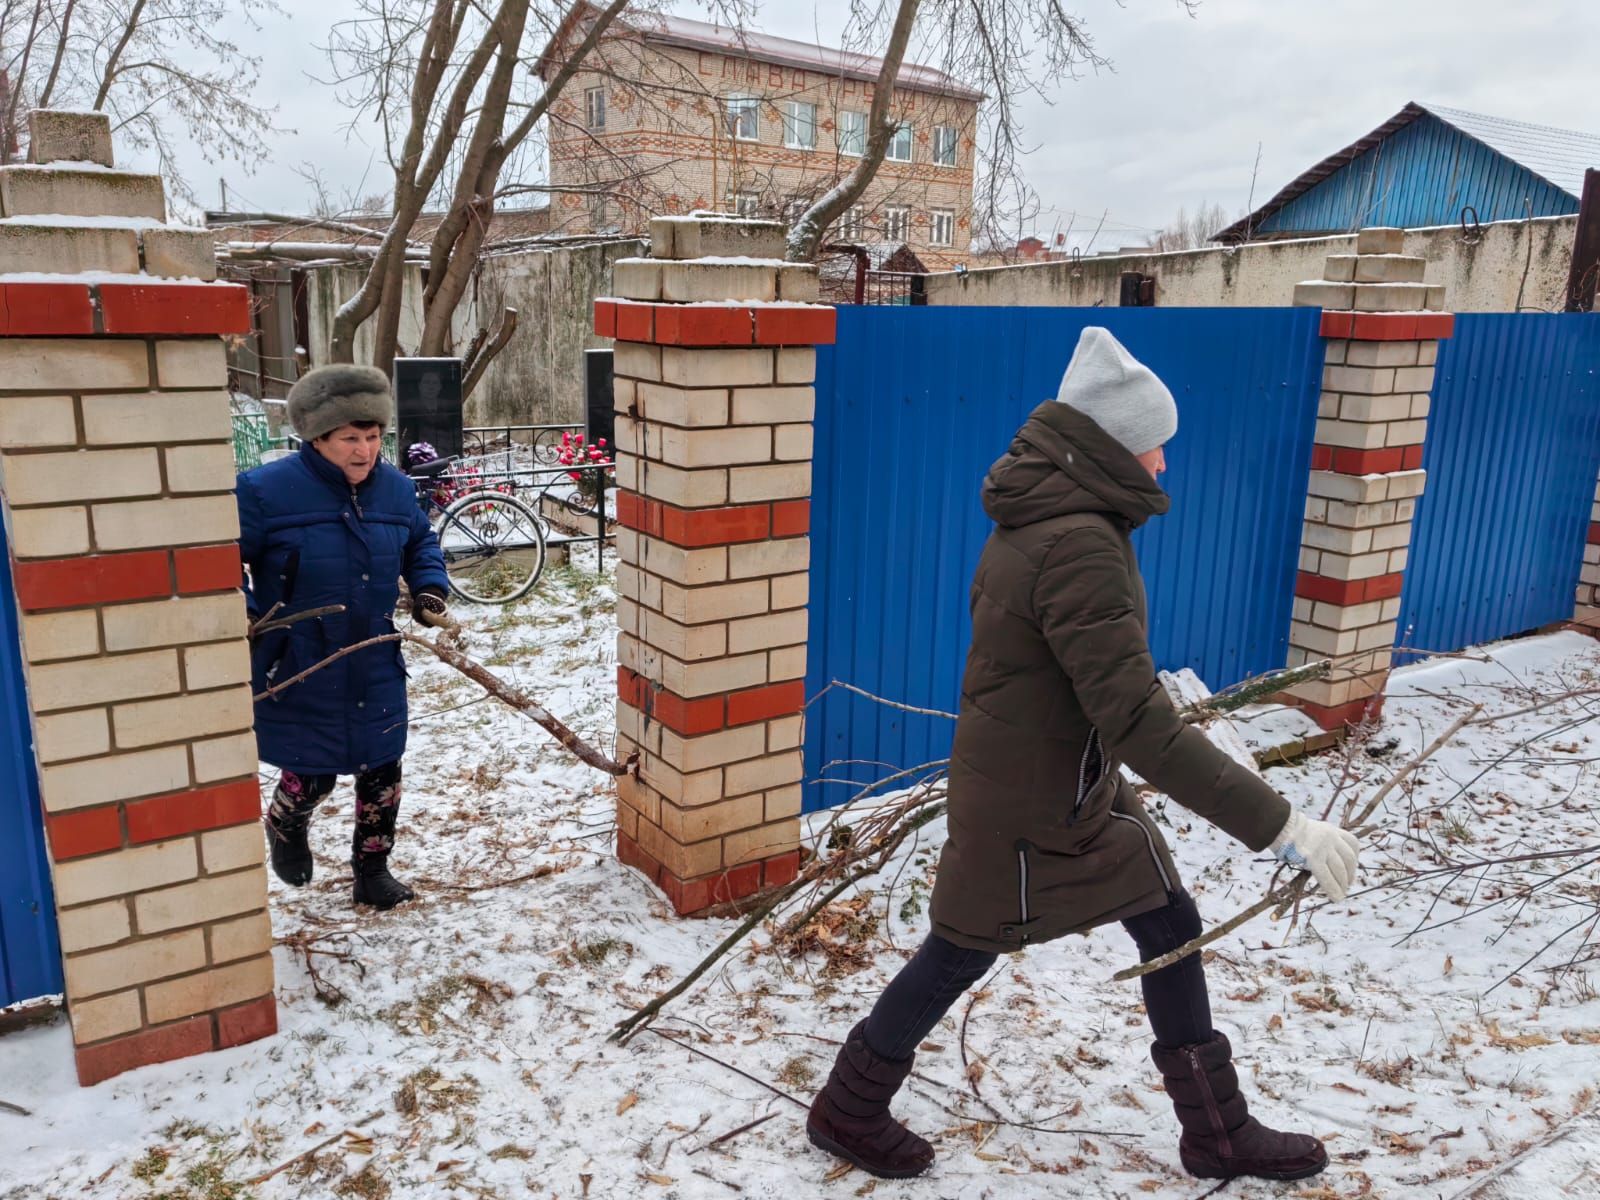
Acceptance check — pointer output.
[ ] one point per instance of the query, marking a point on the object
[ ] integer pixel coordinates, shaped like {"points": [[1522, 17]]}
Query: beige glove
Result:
{"points": [[1325, 850]]}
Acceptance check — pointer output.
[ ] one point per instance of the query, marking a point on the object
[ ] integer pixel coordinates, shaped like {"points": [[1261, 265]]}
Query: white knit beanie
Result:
{"points": [[1118, 392]]}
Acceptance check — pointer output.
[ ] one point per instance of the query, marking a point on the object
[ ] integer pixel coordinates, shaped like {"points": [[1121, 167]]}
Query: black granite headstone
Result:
{"points": [[427, 394]]}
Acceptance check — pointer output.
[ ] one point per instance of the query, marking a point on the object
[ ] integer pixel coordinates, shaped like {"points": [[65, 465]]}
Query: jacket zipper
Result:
{"points": [[355, 503], [1213, 1112], [1022, 881], [1166, 880], [1084, 786]]}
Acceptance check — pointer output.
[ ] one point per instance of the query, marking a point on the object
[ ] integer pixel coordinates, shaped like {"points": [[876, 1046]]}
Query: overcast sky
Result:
{"points": [[1176, 123]]}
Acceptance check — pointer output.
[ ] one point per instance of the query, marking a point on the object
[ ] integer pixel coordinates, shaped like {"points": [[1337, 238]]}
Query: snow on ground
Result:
{"points": [[462, 1039]]}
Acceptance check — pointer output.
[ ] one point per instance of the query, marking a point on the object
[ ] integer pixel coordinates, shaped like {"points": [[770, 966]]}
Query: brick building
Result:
{"points": [[678, 115]]}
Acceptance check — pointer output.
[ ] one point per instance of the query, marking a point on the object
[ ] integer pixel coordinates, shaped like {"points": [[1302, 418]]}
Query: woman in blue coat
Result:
{"points": [[334, 525]]}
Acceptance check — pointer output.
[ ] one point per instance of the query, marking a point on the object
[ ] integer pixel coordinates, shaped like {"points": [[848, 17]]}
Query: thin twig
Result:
{"points": [[776, 1091], [305, 1154], [733, 1133]]}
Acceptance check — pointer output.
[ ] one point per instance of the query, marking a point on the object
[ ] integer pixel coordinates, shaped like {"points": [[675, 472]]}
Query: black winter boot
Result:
{"points": [[850, 1116], [290, 851], [1221, 1140], [375, 886]]}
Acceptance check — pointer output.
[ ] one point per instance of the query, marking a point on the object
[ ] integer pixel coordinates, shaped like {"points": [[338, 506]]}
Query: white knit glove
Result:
{"points": [[1325, 850]]}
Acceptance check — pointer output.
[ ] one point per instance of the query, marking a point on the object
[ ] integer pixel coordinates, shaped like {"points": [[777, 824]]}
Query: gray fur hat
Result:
{"points": [[328, 397], [1121, 394]]}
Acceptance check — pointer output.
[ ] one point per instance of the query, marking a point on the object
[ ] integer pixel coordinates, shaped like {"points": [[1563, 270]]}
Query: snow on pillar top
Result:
{"points": [[715, 237], [57, 137]]}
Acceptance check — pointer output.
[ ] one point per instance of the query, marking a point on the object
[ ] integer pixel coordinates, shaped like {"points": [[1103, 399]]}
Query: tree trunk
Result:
{"points": [[806, 236]]}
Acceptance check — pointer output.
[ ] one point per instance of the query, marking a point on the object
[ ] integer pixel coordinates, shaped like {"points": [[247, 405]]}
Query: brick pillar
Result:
{"points": [[714, 366], [1382, 329], [117, 468], [1587, 613]]}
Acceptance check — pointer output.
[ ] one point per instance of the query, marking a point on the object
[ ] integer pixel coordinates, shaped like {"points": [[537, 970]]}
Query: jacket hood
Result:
{"points": [[1061, 462]]}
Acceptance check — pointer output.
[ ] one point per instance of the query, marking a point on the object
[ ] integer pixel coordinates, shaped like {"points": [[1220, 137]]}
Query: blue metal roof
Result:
{"points": [[1423, 167]]}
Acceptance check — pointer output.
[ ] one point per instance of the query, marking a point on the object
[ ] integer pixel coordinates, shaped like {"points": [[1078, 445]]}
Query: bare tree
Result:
{"points": [[1009, 48], [455, 101], [1192, 232], [160, 69]]}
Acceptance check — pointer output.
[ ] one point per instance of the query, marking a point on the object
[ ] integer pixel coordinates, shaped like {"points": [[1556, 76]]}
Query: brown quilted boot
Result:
{"points": [[1221, 1140], [850, 1116]]}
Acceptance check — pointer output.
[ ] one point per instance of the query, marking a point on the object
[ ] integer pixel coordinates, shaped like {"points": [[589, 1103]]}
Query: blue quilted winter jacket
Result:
{"points": [[309, 540]]}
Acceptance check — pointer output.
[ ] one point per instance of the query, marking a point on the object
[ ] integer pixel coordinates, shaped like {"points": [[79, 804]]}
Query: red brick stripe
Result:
{"points": [[179, 1040], [791, 518], [45, 310], [1594, 533], [93, 579], [89, 831], [1340, 715], [1345, 461], [696, 895], [1347, 592], [715, 324], [188, 812], [181, 309], [708, 714], [1388, 327], [694, 527], [247, 1022], [207, 568]]}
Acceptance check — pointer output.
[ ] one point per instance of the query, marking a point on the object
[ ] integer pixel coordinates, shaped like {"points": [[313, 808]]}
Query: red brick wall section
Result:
{"points": [[714, 367], [1382, 342], [115, 445]]}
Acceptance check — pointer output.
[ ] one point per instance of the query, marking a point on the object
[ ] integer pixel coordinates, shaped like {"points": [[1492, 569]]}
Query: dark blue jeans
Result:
{"points": [[940, 971]]}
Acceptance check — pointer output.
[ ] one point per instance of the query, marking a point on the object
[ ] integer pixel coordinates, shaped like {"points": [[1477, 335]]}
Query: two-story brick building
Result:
{"points": [[671, 115]]}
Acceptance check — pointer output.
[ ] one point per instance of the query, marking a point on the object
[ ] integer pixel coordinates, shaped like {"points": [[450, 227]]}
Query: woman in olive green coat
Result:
{"points": [[1046, 837]]}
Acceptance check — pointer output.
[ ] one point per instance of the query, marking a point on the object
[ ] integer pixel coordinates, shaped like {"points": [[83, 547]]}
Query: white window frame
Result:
{"points": [[900, 138], [794, 126], [945, 217], [853, 223], [735, 109], [594, 104], [858, 134], [743, 204], [945, 151], [896, 217]]}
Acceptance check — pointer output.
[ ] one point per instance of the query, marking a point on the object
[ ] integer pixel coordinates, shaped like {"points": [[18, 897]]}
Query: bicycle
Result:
{"points": [[493, 543]]}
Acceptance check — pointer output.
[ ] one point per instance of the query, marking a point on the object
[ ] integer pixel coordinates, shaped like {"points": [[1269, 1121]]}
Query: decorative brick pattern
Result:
{"points": [[1366, 471], [118, 494], [714, 409]]}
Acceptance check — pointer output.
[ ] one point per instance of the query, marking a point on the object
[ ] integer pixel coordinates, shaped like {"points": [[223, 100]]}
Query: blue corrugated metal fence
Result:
{"points": [[912, 407], [30, 955], [1512, 454]]}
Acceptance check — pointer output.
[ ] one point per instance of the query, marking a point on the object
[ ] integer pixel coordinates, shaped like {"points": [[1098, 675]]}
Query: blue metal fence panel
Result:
{"points": [[1512, 454], [913, 405], [1423, 174], [30, 954]]}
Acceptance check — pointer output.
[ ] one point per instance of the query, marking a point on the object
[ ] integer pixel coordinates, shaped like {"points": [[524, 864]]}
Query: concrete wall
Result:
{"points": [[538, 378], [1482, 276]]}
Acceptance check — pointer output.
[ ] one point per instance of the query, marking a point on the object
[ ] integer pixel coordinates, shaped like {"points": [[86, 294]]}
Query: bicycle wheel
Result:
{"points": [[493, 547]]}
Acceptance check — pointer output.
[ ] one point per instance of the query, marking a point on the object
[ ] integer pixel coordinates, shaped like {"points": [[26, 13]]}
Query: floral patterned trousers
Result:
{"points": [[377, 805]]}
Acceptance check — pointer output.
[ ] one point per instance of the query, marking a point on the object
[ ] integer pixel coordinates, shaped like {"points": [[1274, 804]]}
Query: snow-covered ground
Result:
{"points": [[461, 1041]]}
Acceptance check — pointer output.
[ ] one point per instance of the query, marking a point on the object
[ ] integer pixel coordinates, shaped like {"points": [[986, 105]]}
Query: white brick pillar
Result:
{"points": [[1382, 329], [117, 467], [1587, 613], [714, 368]]}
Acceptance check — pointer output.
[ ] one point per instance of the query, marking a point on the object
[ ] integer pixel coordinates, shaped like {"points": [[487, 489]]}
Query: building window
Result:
{"points": [[896, 223], [594, 108], [853, 223], [599, 211], [944, 145], [794, 208], [800, 125], [853, 133], [944, 227], [900, 145], [743, 117], [743, 204]]}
